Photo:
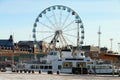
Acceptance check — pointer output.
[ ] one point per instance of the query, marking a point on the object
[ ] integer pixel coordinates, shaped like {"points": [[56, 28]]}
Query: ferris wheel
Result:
{"points": [[60, 26]]}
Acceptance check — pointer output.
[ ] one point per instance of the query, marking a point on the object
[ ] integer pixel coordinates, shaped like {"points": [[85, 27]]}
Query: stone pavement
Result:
{"points": [[45, 76]]}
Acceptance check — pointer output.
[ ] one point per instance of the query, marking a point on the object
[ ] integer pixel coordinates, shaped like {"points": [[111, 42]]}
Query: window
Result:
{"points": [[59, 66], [46, 67], [41, 67], [80, 64], [50, 67], [55, 53], [37, 66], [33, 67], [67, 64]]}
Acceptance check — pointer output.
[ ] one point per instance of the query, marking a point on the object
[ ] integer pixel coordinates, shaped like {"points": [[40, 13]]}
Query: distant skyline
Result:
{"points": [[18, 16]]}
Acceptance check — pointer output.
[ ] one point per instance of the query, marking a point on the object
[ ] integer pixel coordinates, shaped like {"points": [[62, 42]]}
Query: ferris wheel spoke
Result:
{"points": [[55, 19], [69, 40], [65, 20], [74, 36], [68, 24], [45, 31], [70, 35], [60, 18], [49, 20], [68, 30], [46, 26], [48, 37]]}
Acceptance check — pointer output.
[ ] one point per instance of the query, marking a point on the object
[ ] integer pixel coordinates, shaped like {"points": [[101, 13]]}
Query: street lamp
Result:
{"points": [[111, 43], [118, 47]]}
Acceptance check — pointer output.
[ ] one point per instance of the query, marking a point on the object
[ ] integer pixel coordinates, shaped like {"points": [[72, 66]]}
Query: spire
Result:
{"points": [[11, 38]]}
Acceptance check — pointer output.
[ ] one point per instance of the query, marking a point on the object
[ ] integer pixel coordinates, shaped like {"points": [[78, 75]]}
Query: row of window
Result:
{"points": [[78, 65], [6, 48], [25, 49], [10, 48], [64, 65], [43, 67], [103, 67], [40, 67]]}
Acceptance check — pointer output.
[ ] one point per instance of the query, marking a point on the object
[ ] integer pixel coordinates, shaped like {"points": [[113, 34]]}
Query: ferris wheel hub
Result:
{"points": [[58, 32]]}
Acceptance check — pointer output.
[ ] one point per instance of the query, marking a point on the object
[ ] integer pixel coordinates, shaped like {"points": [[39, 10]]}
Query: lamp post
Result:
{"points": [[13, 56], [111, 43], [118, 47]]}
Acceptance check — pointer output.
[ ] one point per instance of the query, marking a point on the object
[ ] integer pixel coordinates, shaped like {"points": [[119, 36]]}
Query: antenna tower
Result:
{"points": [[99, 37]]}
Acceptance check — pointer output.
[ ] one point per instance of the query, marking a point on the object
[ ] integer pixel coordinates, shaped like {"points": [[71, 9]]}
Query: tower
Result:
{"points": [[99, 37]]}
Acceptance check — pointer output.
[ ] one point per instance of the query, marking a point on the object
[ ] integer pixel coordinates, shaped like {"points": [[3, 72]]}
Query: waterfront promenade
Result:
{"points": [[45, 76]]}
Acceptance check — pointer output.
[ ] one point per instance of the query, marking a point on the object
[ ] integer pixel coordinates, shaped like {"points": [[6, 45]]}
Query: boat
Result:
{"points": [[103, 67], [59, 61]]}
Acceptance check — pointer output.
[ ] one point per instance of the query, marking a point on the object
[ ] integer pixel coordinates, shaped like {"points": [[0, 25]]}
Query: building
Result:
{"points": [[101, 54], [32, 47], [7, 44], [26, 46], [6, 48]]}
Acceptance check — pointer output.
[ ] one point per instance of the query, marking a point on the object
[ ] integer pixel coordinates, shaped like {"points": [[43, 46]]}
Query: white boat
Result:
{"points": [[63, 62], [100, 67]]}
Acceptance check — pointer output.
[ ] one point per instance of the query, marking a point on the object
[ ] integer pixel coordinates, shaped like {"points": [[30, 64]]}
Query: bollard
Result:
{"points": [[40, 71], [20, 71], [25, 71], [32, 71], [29, 71], [58, 72], [119, 73], [50, 72], [17, 71], [13, 70]]}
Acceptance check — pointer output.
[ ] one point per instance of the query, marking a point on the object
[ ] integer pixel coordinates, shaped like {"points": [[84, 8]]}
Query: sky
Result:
{"points": [[18, 16]]}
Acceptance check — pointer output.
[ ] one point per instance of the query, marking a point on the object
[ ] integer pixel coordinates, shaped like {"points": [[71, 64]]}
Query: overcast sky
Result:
{"points": [[17, 17]]}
